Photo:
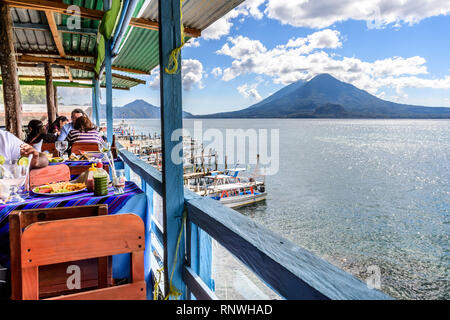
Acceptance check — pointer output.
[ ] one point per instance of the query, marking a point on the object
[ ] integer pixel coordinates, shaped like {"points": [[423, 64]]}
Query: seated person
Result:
{"points": [[84, 132], [12, 148], [76, 113], [57, 125], [37, 134]]}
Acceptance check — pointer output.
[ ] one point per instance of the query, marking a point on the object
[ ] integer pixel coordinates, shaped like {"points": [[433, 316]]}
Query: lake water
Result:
{"points": [[357, 193]]}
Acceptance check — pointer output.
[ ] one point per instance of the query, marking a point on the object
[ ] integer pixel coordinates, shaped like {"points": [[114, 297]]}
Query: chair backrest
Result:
{"points": [[49, 174], [45, 243], [77, 147], [77, 170], [50, 147], [54, 278]]}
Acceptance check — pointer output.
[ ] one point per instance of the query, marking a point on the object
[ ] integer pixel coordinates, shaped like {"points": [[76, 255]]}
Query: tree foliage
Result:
{"points": [[30, 94]]}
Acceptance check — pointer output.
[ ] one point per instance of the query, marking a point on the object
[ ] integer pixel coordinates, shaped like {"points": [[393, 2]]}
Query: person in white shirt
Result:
{"points": [[12, 148], [65, 130]]}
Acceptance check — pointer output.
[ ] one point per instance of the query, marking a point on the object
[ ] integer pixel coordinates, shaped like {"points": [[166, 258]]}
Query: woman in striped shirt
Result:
{"points": [[84, 131]]}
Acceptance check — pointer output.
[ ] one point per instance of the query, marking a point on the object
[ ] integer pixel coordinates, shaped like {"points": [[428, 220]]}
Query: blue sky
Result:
{"points": [[397, 50]]}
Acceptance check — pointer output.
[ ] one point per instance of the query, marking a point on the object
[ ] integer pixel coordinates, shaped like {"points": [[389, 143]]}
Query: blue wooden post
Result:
{"points": [[171, 120], [127, 172], [93, 104], [199, 252], [97, 102], [108, 78]]}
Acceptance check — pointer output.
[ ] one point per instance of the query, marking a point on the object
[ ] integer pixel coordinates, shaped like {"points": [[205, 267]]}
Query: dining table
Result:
{"points": [[132, 200]]}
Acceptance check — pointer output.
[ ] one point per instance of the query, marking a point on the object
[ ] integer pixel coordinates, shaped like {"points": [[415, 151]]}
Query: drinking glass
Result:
{"points": [[61, 146], [119, 182], [14, 177]]}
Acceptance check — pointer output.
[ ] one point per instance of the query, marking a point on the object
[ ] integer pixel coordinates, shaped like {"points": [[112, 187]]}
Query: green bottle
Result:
{"points": [[100, 183]]}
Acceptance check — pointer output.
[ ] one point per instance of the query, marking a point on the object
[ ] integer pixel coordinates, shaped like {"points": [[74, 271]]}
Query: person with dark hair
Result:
{"points": [[37, 134], [76, 113], [57, 125], [84, 131]]}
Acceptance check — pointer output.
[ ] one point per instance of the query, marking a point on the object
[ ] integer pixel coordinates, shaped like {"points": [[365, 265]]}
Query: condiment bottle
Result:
{"points": [[90, 178]]}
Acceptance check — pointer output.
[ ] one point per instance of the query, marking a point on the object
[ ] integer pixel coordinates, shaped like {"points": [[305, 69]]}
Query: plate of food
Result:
{"points": [[59, 189], [56, 159], [86, 156]]}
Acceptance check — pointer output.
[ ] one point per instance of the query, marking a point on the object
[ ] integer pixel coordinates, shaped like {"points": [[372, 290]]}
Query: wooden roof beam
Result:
{"points": [[73, 64], [131, 70], [54, 6], [55, 78], [57, 39], [115, 75], [93, 14], [154, 25], [44, 27]]}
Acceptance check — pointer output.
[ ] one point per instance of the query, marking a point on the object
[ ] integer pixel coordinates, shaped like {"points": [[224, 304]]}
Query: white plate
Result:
{"points": [[60, 194]]}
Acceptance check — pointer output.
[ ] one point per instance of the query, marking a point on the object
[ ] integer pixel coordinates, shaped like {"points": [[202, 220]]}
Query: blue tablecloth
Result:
{"points": [[134, 200]]}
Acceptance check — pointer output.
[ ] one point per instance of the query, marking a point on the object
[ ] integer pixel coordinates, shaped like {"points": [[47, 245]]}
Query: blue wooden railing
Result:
{"points": [[291, 271]]}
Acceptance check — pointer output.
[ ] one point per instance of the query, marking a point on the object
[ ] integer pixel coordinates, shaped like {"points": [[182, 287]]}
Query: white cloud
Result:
{"points": [[191, 74], [377, 13], [252, 7], [249, 91], [304, 58], [223, 26], [324, 13], [217, 72], [194, 42], [319, 40]]}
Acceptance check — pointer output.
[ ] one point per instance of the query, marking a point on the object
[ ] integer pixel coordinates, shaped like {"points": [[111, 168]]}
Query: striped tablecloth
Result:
{"points": [[132, 198]]}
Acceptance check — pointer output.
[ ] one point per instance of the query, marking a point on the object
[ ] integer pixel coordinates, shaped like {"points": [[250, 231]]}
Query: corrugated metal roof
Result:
{"points": [[197, 14], [80, 43], [28, 38], [140, 51], [33, 35]]}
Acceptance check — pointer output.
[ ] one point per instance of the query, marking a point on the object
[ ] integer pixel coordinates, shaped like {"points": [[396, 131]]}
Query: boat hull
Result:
{"points": [[243, 200]]}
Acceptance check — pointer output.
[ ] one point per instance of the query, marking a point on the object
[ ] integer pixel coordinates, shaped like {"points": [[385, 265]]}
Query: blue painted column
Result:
{"points": [[94, 107], [171, 120], [97, 102], [108, 78]]}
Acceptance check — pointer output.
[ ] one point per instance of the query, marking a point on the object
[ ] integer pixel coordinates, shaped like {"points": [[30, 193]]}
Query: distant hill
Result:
{"points": [[326, 97], [138, 109]]}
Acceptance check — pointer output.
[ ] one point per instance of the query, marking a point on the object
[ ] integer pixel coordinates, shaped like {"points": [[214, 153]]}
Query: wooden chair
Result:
{"points": [[45, 243], [50, 147], [95, 272], [49, 174], [77, 147], [77, 170]]}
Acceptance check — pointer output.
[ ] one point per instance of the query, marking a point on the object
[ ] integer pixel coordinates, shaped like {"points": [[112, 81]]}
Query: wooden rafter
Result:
{"points": [[154, 25], [60, 7], [131, 70], [57, 39], [72, 63], [58, 61], [115, 75], [44, 27], [54, 6], [54, 78], [55, 53]]}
